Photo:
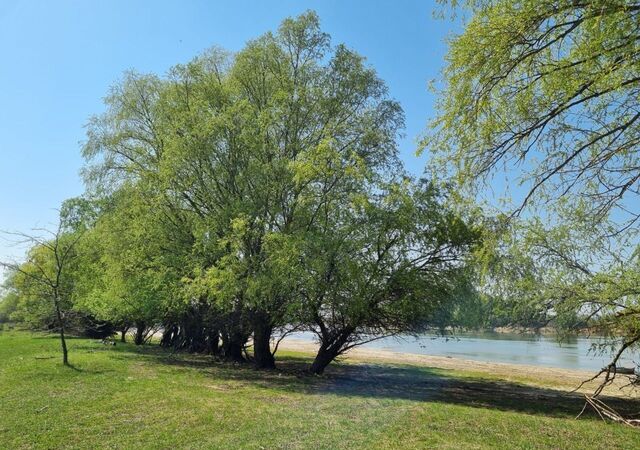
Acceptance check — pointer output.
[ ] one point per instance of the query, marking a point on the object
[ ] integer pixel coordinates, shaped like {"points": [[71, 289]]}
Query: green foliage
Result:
{"points": [[128, 274], [570, 275], [268, 162], [388, 265], [9, 300], [49, 279], [241, 194], [35, 295], [546, 93]]}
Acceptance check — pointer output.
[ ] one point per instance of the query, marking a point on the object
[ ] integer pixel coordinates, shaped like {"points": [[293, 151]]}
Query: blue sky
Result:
{"points": [[59, 59]]}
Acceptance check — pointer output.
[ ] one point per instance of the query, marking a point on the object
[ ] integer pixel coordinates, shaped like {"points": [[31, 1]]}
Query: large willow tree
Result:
{"points": [[260, 153], [547, 92]]}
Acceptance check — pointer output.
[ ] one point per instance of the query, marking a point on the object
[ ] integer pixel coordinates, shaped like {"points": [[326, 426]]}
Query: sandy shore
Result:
{"points": [[562, 379]]}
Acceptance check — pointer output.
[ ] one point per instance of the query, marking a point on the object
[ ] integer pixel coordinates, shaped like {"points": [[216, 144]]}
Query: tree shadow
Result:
{"points": [[382, 381], [74, 368], [435, 385]]}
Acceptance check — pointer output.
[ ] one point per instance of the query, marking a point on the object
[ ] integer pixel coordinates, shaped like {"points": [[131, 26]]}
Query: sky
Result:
{"points": [[60, 58]]}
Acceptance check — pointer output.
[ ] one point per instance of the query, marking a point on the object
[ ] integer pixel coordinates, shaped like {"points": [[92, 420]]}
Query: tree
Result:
{"points": [[570, 276], [225, 141], [9, 299], [546, 92], [129, 270], [389, 264], [47, 273]]}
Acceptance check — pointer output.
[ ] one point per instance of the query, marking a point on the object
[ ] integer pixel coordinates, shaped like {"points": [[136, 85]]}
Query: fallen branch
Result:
{"points": [[605, 411]]}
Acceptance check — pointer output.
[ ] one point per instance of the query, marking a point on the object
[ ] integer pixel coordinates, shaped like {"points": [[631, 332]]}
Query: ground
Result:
{"points": [[132, 397]]}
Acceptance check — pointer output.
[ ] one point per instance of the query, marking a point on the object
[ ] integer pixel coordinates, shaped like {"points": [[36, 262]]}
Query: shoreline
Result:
{"points": [[551, 377]]}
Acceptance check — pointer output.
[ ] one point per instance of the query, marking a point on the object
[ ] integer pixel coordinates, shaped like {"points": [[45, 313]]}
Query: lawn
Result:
{"points": [[129, 397]]}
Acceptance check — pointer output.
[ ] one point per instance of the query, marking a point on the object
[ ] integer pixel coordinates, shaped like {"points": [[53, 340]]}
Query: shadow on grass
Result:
{"points": [[70, 366], [434, 385], [381, 381]]}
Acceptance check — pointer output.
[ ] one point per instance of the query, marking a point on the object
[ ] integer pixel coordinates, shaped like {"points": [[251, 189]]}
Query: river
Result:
{"points": [[514, 348]]}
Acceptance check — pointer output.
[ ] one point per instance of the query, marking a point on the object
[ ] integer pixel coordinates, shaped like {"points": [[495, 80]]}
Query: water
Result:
{"points": [[513, 348]]}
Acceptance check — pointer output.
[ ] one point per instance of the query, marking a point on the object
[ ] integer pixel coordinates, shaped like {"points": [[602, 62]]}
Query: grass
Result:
{"points": [[147, 398]]}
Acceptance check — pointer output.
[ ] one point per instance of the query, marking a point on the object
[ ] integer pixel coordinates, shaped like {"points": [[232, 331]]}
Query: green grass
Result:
{"points": [[128, 397]]}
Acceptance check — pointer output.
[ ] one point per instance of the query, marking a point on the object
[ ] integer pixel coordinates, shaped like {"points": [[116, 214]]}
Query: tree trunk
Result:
{"points": [[323, 358], [213, 342], [262, 344], [195, 335], [65, 352], [328, 351], [138, 338], [123, 334], [234, 351], [63, 341], [232, 345], [169, 336], [234, 337]]}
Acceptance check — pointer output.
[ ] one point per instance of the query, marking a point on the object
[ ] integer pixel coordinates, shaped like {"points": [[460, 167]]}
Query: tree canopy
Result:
{"points": [[243, 196], [548, 91], [546, 94]]}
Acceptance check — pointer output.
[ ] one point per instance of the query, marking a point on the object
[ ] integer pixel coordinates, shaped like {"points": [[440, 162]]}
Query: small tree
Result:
{"points": [[46, 274]]}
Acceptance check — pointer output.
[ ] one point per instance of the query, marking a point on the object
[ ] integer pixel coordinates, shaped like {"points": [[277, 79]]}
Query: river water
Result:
{"points": [[514, 348]]}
